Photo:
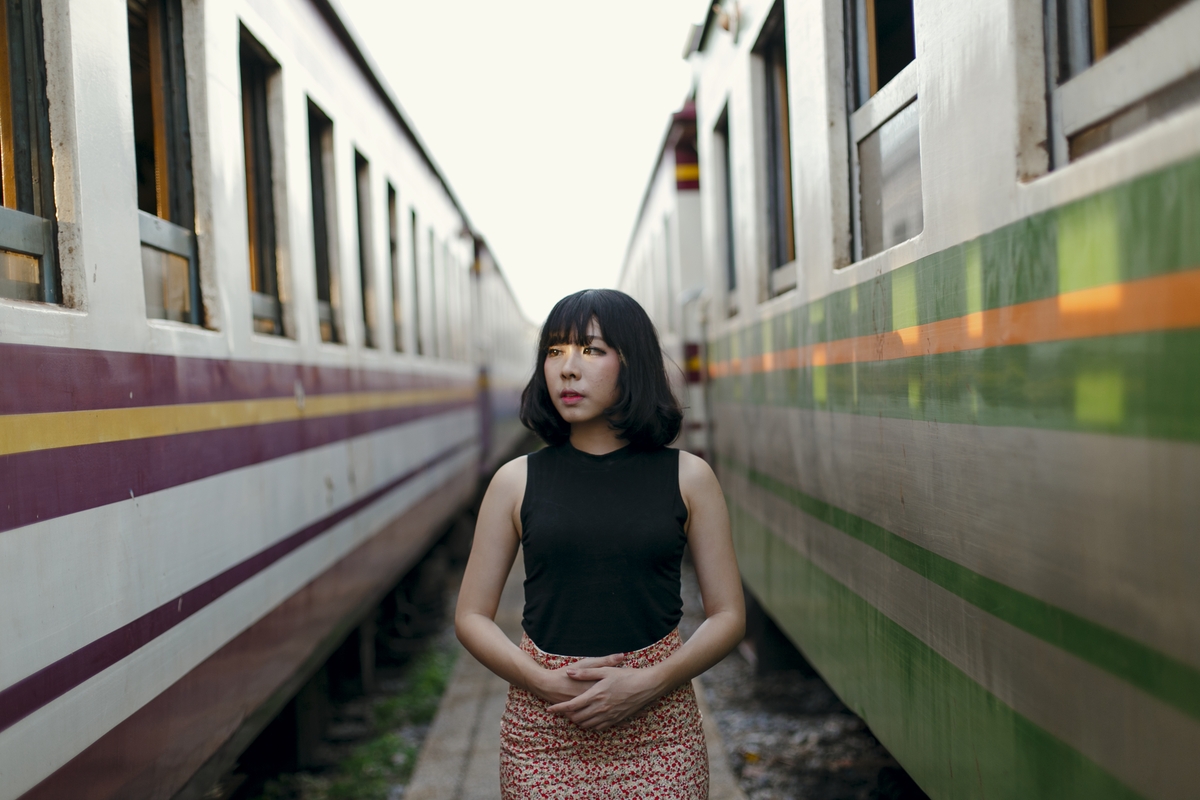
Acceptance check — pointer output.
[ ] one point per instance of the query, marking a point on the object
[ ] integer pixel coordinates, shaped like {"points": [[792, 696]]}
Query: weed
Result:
{"points": [[417, 703], [387, 759]]}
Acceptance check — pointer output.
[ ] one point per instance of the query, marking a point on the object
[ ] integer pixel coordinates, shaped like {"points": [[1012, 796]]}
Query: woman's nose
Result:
{"points": [[570, 364]]}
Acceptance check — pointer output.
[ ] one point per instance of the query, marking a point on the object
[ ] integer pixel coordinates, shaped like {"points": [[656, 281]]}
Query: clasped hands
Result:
{"points": [[597, 693]]}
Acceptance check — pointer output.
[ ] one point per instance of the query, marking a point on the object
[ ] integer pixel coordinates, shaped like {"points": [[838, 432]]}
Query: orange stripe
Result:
{"points": [[1164, 302]]}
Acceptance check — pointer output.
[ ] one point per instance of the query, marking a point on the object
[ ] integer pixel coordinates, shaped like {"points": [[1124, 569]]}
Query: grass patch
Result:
{"points": [[424, 685], [388, 758]]}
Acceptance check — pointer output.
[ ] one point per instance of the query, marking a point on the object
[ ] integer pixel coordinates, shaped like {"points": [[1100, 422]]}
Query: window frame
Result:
{"points": [[672, 280], [172, 226], [266, 233], [1157, 58], [323, 198], [867, 117], [435, 349], [28, 218], [726, 219], [396, 269], [442, 314], [770, 51], [364, 224], [422, 347]]}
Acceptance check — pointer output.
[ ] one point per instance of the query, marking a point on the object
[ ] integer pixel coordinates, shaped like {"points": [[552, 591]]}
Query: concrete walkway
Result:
{"points": [[461, 756]]}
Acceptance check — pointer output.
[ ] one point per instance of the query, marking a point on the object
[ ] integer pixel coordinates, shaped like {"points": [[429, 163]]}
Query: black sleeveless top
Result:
{"points": [[603, 537]]}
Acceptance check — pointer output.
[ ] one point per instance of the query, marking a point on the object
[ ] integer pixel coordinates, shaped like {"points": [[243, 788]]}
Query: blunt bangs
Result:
{"points": [[646, 413]]}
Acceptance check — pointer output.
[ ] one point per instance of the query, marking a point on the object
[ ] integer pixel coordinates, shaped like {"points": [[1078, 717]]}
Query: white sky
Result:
{"points": [[545, 117]]}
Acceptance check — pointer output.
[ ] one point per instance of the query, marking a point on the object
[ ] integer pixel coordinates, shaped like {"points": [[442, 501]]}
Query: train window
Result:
{"points": [[1115, 66], [28, 263], [445, 272], [669, 263], [883, 44], [260, 76], [435, 348], [416, 273], [450, 320], [725, 178], [324, 218], [885, 131], [455, 321], [394, 267], [781, 244], [889, 162], [163, 153], [366, 253]]}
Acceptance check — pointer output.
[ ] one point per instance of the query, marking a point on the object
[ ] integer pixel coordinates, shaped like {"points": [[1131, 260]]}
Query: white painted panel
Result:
{"points": [[44, 741], [66, 581]]}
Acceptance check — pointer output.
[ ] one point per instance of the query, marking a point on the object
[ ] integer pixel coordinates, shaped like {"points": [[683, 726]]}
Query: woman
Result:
{"points": [[601, 704]]}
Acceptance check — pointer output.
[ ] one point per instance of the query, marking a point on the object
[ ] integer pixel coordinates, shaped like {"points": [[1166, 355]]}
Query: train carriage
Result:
{"points": [[254, 356], [952, 282], [663, 268]]}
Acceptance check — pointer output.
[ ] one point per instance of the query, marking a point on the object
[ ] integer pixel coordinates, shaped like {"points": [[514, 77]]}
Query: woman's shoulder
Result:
{"points": [[509, 480], [695, 475], [510, 469]]}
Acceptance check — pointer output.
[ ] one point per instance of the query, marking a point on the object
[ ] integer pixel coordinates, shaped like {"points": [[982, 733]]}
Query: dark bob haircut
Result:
{"points": [[646, 413]]}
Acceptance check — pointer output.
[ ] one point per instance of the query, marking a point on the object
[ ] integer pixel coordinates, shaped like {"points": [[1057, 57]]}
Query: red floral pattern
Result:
{"points": [[658, 754]]}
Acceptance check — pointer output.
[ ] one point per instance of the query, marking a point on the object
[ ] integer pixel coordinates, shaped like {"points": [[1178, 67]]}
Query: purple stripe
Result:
{"points": [[33, 692], [45, 484], [42, 379]]}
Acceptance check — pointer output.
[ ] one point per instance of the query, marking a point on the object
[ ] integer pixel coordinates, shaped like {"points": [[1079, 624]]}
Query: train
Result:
{"points": [[254, 358], [933, 272]]}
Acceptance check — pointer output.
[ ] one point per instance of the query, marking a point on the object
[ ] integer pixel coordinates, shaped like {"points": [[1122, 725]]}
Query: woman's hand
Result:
{"points": [[613, 695], [559, 685]]}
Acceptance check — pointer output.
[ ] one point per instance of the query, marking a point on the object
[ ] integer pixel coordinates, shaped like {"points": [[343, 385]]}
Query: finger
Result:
{"points": [[593, 722], [575, 704], [592, 674], [592, 714], [598, 661], [569, 706]]}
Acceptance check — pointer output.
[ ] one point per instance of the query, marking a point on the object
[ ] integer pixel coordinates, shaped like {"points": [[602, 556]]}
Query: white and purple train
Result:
{"points": [[254, 356]]}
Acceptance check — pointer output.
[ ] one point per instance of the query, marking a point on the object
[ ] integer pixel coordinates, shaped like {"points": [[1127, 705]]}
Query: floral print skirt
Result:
{"points": [[660, 753]]}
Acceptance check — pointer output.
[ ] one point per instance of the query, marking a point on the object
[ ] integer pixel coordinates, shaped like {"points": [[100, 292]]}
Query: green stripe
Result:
{"points": [[1148, 226], [1168, 679], [1142, 384], [954, 737]]}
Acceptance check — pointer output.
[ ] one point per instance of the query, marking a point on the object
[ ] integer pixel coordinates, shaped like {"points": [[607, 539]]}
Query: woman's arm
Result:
{"points": [[620, 693], [497, 538]]}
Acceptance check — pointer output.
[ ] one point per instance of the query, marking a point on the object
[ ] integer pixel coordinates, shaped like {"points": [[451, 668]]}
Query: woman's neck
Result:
{"points": [[596, 437]]}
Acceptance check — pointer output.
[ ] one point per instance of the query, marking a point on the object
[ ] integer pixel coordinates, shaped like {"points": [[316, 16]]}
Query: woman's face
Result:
{"points": [[582, 379]]}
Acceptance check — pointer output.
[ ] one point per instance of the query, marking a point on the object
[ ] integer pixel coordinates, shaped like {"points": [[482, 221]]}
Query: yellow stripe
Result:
{"points": [[687, 172], [23, 433]]}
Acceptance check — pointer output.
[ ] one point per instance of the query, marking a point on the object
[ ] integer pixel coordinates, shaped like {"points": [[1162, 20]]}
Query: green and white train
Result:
{"points": [[948, 284]]}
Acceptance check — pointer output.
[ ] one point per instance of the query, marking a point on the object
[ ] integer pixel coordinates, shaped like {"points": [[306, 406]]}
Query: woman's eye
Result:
{"points": [[595, 351]]}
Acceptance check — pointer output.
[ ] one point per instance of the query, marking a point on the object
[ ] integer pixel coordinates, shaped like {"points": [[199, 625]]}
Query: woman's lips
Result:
{"points": [[570, 398]]}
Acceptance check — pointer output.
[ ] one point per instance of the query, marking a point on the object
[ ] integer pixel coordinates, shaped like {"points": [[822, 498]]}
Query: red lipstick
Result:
{"points": [[569, 397]]}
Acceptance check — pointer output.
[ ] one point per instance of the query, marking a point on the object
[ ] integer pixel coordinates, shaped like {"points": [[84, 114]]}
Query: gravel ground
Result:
{"points": [[788, 736]]}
